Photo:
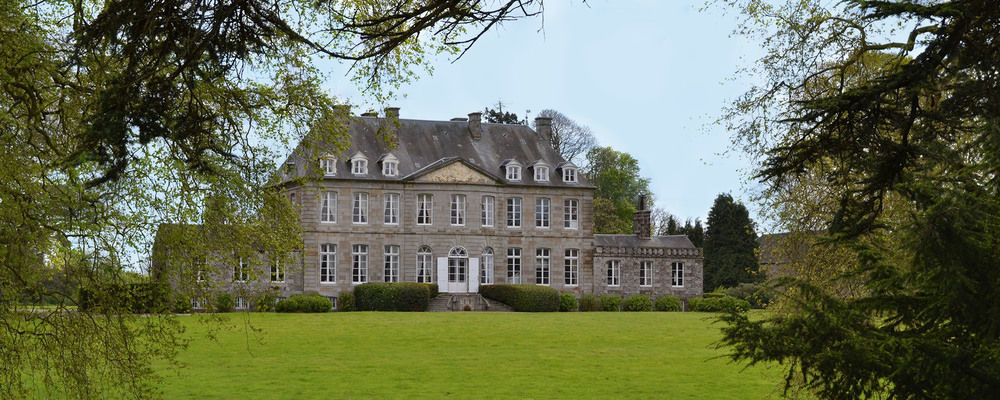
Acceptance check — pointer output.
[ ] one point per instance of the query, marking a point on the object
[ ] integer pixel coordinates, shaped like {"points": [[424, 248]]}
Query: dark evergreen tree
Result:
{"points": [[499, 116], [730, 245], [695, 232]]}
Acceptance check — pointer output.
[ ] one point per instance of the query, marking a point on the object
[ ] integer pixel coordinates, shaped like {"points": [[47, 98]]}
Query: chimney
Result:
{"points": [[543, 125], [392, 113], [640, 220], [476, 125], [342, 114]]}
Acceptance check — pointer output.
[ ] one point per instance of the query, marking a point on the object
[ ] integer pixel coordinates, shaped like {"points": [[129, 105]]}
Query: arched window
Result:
{"points": [[458, 251], [486, 267], [425, 265]]}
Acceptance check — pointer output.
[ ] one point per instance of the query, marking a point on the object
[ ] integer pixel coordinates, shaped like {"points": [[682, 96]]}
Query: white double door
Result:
{"points": [[458, 274]]}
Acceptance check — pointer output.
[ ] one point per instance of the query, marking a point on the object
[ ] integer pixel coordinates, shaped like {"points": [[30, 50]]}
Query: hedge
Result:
{"points": [[719, 304], [224, 303], [638, 302], [299, 303], [396, 296], [567, 302], [345, 302], [589, 302], [668, 303], [611, 303], [523, 297], [139, 298], [433, 287]]}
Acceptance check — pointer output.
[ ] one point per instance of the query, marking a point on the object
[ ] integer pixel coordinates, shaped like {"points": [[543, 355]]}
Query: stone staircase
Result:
{"points": [[465, 302]]}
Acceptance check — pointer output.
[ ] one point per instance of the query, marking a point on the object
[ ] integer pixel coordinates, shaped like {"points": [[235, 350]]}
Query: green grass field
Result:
{"points": [[463, 356]]}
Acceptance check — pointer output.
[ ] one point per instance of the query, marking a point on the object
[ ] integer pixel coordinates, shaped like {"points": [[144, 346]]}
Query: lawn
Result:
{"points": [[463, 356]]}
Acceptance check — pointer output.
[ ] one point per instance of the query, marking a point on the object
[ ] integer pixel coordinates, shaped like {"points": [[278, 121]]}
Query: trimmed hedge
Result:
{"points": [[139, 298], [638, 302], [719, 304], [589, 302], [523, 297], [611, 303], [668, 303], [299, 303], [433, 287], [567, 302], [396, 296], [224, 303], [345, 302]]}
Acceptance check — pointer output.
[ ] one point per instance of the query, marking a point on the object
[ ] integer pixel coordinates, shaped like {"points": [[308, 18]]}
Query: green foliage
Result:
{"points": [[396, 296], [266, 301], [499, 116], [637, 302], [758, 295], [719, 304], [302, 303], [730, 245], [182, 303], [138, 298], [618, 184], [568, 302], [433, 288], [589, 302], [345, 302], [668, 303], [611, 303], [223, 303], [523, 298]]}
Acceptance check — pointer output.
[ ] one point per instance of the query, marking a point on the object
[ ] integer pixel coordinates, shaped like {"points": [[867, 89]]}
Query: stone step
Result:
{"points": [[465, 302]]}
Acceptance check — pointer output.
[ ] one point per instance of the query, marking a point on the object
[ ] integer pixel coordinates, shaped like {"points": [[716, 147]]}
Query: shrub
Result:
{"points": [[140, 298], [638, 302], [266, 301], [589, 302], [433, 288], [523, 297], [567, 302], [300, 303], [611, 303], [719, 304], [345, 302], [182, 303], [757, 295], [668, 303], [396, 296], [223, 303]]}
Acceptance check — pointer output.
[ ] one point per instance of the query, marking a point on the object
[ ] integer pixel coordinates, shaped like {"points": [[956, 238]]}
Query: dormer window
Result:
{"points": [[569, 172], [328, 165], [541, 171], [390, 165], [359, 164], [289, 168], [513, 170]]}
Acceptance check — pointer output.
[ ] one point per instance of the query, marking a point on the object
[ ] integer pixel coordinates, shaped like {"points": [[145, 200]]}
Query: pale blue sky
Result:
{"points": [[648, 77]]}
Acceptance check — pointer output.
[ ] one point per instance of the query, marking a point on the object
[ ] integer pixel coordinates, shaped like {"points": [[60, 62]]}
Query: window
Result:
{"points": [[328, 207], [291, 199], [514, 212], [425, 204], [328, 165], [614, 273], [390, 165], [241, 303], [541, 173], [488, 210], [359, 212], [198, 265], [458, 259], [327, 263], [486, 267], [277, 272], [677, 274], [391, 209], [572, 267], [241, 272], [458, 209], [646, 273], [542, 267], [571, 214], [359, 166], [542, 213], [424, 265], [513, 171], [569, 175], [359, 263], [513, 265], [391, 263]]}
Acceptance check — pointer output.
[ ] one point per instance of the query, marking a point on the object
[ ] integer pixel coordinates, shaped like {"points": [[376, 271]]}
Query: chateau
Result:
{"points": [[463, 203]]}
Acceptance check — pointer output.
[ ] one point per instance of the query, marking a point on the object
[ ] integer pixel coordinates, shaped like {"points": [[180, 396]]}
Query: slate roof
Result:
{"points": [[670, 241], [422, 144]]}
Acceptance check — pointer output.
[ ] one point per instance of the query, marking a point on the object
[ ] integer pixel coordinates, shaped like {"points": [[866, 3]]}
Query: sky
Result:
{"points": [[648, 77]]}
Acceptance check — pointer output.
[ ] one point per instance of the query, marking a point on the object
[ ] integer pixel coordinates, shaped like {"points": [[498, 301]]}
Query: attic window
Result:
{"points": [[569, 175], [541, 173], [513, 171], [359, 164], [289, 168], [328, 165], [390, 165]]}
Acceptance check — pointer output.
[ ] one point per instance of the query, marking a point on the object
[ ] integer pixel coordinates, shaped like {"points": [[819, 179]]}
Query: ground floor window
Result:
{"points": [[424, 264], [391, 272], [513, 265], [677, 274], [241, 303], [542, 267], [359, 263], [614, 272], [646, 273], [572, 267], [327, 263], [486, 267]]}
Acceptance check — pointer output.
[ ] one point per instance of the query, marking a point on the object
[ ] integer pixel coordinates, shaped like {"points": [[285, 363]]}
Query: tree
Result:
{"points": [[616, 177], [499, 116], [664, 223], [695, 232], [730, 245], [571, 140], [901, 140]]}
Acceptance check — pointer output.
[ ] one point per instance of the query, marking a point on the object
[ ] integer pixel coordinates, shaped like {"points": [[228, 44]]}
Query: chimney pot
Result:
{"points": [[476, 125]]}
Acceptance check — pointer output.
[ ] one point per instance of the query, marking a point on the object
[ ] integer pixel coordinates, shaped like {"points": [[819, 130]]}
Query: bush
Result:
{"points": [[567, 302], [267, 301], [182, 303], [523, 297], [589, 302], [719, 304], [224, 303], [611, 303], [757, 295], [300, 303], [345, 302], [140, 298], [638, 302], [433, 288], [668, 303], [396, 296]]}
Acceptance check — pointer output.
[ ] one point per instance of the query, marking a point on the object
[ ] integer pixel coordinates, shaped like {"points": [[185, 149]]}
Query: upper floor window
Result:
{"points": [[514, 212], [571, 214], [390, 165], [328, 165], [359, 164], [458, 209], [328, 207], [241, 272], [391, 209], [359, 212], [277, 271], [569, 175], [542, 218], [425, 203], [513, 169], [541, 173], [488, 208]]}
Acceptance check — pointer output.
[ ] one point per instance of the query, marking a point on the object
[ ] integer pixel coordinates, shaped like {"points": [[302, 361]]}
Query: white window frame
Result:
{"points": [[571, 267], [514, 212], [543, 267], [513, 172], [277, 272], [390, 166], [458, 210], [541, 173], [614, 273], [328, 165], [677, 274], [391, 263], [359, 208], [569, 175], [488, 214], [425, 265], [513, 265], [327, 263], [391, 211], [359, 166], [328, 207], [359, 263], [571, 214], [241, 303], [486, 267], [241, 272], [425, 209], [645, 273], [543, 215]]}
